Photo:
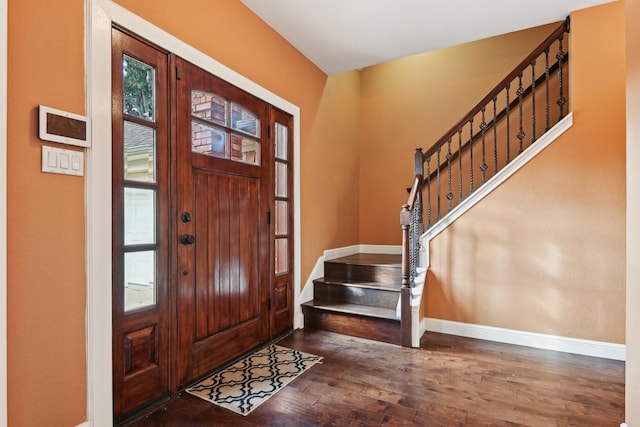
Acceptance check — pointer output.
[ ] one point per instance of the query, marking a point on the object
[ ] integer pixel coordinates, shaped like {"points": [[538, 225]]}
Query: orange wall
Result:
{"points": [[545, 252], [45, 214], [412, 102]]}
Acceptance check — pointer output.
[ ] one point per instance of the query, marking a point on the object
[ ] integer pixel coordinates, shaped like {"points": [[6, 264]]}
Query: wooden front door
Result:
{"points": [[202, 222], [223, 197]]}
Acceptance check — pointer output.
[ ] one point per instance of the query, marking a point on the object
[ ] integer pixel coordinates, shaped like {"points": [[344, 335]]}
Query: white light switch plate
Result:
{"points": [[66, 162]]}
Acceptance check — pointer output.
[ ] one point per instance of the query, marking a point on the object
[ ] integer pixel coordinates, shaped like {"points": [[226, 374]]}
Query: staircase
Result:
{"points": [[358, 296]]}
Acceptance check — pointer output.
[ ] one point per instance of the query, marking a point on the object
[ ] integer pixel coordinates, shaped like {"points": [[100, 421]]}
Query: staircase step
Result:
{"points": [[357, 320], [382, 295], [380, 268]]}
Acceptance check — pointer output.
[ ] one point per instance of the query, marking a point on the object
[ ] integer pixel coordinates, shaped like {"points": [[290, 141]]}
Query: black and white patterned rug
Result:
{"points": [[246, 384]]}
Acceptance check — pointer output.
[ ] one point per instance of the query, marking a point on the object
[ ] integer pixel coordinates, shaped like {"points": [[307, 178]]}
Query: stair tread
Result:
{"points": [[391, 287], [358, 309], [387, 260]]}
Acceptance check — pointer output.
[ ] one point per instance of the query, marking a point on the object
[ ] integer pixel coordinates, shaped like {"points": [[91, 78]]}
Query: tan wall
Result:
{"points": [[412, 102], [632, 371], [45, 214], [545, 252]]}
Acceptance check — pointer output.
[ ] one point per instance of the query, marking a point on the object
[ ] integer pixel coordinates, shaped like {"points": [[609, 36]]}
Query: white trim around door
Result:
{"points": [[100, 16]]}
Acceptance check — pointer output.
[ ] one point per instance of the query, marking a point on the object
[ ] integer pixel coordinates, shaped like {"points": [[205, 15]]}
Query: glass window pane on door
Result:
{"points": [[282, 255], [208, 140], [209, 107], [139, 280], [244, 120], [139, 89], [139, 216], [282, 134], [282, 209], [139, 153], [245, 149], [281, 180]]}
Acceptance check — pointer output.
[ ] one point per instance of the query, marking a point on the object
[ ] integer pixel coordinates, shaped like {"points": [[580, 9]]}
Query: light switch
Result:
{"points": [[66, 162]]}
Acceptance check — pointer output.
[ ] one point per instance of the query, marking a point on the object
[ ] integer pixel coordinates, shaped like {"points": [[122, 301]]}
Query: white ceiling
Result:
{"points": [[344, 35]]}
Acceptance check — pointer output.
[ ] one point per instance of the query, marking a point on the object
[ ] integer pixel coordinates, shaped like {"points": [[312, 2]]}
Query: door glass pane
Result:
{"points": [[244, 149], [282, 259], [139, 89], [139, 153], [139, 279], [139, 216], [244, 120], [282, 134], [281, 179], [281, 217], [209, 107], [208, 140]]}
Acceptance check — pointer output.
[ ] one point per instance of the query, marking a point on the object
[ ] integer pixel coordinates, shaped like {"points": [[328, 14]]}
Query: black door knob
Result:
{"points": [[187, 239]]}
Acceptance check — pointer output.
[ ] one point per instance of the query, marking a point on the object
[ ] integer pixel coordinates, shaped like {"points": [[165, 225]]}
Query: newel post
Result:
{"points": [[405, 291]]}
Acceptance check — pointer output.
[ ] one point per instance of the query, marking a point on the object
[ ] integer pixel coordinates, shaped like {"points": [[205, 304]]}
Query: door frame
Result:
{"points": [[100, 16]]}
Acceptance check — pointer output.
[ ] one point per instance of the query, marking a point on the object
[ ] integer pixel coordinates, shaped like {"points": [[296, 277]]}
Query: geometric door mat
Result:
{"points": [[245, 385]]}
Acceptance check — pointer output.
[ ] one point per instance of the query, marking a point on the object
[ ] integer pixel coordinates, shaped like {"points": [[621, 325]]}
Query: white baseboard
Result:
{"points": [[530, 339], [84, 424], [623, 425]]}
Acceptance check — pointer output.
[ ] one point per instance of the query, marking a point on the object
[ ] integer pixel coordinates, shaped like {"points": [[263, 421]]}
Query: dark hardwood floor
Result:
{"points": [[450, 381]]}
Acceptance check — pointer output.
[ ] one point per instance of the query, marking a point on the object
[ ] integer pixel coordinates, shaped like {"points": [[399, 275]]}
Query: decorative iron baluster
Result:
{"points": [[533, 101], [460, 161], [546, 78], [471, 156], [520, 92], [449, 193], [495, 136], [483, 129], [428, 191], [560, 57], [415, 230], [508, 89], [438, 179]]}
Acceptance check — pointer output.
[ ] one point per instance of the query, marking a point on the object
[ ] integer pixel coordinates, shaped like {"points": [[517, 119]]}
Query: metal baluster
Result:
{"points": [[438, 178], [533, 101], [428, 191], [460, 161], [508, 88], [483, 129], [546, 79], [495, 137], [520, 135], [560, 57], [471, 156], [449, 193]]}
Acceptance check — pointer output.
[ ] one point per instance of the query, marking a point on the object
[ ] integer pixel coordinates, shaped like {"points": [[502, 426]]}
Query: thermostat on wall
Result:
{"points": [[66, 128]]}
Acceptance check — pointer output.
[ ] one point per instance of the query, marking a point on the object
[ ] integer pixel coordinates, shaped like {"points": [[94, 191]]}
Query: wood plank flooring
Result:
{"points": [[450, 381]]}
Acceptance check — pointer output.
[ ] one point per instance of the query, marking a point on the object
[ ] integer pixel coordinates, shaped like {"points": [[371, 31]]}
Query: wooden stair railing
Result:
{"points": [[488, 131]]}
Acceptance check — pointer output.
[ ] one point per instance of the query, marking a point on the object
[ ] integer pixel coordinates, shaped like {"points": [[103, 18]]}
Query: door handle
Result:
{"points": [[187, 239]]}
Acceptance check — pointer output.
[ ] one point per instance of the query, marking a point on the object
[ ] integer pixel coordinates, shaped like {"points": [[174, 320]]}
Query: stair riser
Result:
{"points": [[362, 273], [355, 295], [364, 327]]}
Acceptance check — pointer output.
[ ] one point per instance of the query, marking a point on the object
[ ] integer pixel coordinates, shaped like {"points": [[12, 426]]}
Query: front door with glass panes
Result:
{"points": [[202, 256]]}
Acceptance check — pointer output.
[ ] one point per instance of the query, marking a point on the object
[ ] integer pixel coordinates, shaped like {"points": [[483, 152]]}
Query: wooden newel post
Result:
{"points": [[405, 291]]}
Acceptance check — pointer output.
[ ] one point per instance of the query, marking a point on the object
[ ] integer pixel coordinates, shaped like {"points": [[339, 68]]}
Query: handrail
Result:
{"points": [[499, 87], [552, 70]]}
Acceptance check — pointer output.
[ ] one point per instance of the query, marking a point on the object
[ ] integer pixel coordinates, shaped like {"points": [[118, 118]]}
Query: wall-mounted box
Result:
{"points": [[63, 127]]}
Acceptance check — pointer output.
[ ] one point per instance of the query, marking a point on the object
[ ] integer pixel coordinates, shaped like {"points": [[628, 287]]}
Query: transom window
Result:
{"points": [[224, 129]]}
